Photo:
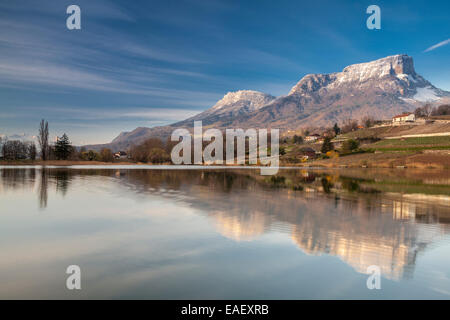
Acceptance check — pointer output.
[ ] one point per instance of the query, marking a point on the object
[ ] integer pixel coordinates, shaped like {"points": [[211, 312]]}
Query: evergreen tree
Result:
{"points": [[336, 129], [298, 139], [63, 147], [327, 145]]}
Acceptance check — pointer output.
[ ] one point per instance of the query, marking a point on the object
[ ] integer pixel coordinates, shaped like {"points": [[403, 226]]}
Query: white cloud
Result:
{"points": [[167, 115], [437, 45]]}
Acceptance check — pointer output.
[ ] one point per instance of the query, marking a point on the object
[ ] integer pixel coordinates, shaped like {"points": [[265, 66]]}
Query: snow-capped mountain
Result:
{"points": [[380, 88], [394, 74], [232, 105]]}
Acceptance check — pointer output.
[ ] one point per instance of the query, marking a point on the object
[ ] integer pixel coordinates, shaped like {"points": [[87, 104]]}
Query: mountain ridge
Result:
{"points": [[381, 88]]}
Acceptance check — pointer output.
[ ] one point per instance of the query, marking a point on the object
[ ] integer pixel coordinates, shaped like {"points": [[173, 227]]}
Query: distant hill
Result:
{"points": [[380, 88]]}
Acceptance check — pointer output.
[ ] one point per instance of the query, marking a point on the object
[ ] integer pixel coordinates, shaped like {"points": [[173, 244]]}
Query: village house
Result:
{"points": [[405, 117], [120, 155], [312, 138]]}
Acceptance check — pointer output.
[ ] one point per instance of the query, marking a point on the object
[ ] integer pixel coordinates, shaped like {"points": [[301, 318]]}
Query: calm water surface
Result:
{"points": [[224, 234]]}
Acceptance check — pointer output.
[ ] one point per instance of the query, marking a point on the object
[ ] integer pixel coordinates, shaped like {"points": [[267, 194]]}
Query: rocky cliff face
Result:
{"points": [[394, 75]]}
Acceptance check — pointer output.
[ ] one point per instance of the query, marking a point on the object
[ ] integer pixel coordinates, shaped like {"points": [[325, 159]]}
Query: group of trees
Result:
{"points": [[348, 146], [62, 149], [18, 150], [297, 139], [152, 150], [442, 110], [350, 125], [105, 155], [428, 110]]}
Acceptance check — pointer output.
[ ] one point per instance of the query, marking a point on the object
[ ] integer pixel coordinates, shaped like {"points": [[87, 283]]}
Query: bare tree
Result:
{"points": [[43, 139], [368, 121], [349, 125], [15, 150], [424, 111], [32, 151], [141, 152], [428, 109]]}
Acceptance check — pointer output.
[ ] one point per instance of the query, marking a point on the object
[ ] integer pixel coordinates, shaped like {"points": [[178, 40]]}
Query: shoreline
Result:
{"points": [[351, 162]]}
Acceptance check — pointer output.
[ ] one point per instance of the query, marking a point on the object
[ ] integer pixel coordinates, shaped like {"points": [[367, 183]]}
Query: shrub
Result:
{"points": [[297, 139], [349, 146], [106, 155], [332, 154], [158, 155]]}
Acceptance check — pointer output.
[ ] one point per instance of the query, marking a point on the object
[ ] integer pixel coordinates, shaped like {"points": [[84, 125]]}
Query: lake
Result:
{"points": [[170, 233]]}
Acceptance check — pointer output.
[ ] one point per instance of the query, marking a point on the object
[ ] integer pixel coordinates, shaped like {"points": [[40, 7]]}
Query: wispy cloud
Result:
{"points": [[167, 115], [437, 45], [40, 53], [102, 9]]}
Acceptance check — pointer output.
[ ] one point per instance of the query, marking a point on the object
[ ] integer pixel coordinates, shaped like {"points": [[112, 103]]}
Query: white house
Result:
{"points": [[405, 117], [120, 155], [312, 137]]}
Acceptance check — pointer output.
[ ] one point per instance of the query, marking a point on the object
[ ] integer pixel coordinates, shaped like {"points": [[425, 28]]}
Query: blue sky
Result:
{"points": [[147, 63]]}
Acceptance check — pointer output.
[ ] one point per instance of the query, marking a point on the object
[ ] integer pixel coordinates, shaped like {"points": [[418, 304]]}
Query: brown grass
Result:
{"points": [[61, 163]]}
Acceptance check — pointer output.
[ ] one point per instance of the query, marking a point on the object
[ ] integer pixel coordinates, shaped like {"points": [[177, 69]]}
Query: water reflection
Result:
{"points": [[43, 188], [363, 217]]}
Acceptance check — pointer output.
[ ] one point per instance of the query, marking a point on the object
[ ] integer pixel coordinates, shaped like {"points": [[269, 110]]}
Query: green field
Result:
{"points": [[431, 141], [411, 144]]}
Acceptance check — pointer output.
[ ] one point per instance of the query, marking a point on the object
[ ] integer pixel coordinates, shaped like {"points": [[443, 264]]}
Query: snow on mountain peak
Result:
{"points": [[253, 99], [233, 104], [394, 74], [392, 65]]}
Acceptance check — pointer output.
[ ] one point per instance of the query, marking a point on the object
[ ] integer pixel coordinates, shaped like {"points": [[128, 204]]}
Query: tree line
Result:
{"points": [[18, 150], [152, 150], [428, 111], [62, 149]]}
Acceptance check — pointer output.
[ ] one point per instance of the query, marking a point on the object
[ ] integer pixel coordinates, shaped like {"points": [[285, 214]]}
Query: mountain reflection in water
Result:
{"points": [[228, 234], [364, 217]]}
